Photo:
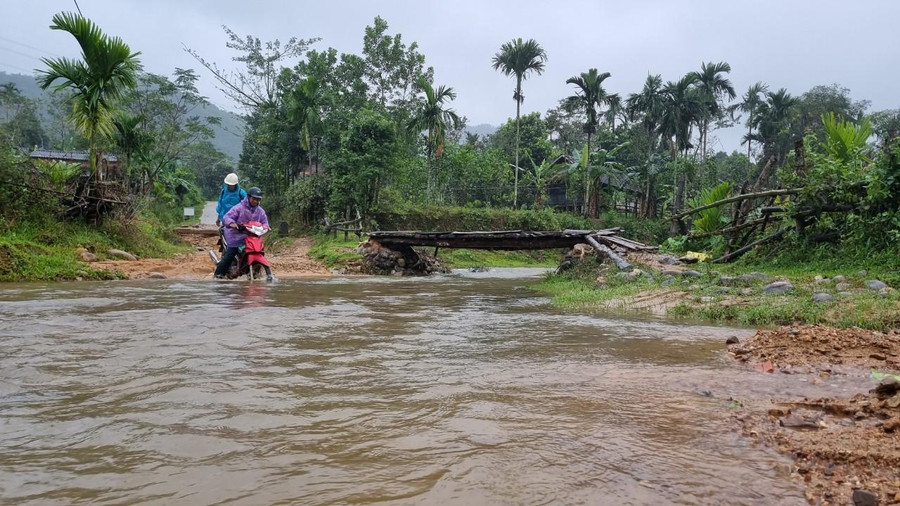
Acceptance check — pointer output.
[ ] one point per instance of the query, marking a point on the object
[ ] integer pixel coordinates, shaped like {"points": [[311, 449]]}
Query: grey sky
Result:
{"points": [[791, 44]]}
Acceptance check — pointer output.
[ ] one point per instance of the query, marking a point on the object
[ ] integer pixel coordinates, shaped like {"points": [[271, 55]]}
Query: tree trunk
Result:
{"points": [[678, 226], [516, 168]]}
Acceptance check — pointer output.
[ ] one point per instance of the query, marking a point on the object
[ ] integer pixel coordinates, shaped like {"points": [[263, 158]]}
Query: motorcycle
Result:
{"points": [[251, 258]]}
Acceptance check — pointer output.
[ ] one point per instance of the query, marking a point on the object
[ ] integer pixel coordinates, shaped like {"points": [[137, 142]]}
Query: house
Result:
{"points": [[558, 194], [109, 163]]}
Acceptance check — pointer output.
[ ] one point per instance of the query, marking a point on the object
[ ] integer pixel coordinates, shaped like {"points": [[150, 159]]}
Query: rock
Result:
{"points": [[861, 273], [819, 279], [631, 275], [778, 287], [667, 281], [864, 498], [723, 289], [726, 280], [121, 254], [893, 402], [839, 279], [884, 292], [887, 388], [667, 260], [877, 356], [691, 274], [747, 291], [87, 256], [845, 294], [842, 287], [754, 276], [707, 300], [876, 284], [798, 422], [822, 297], [671, 272], [733, 340], [156, 275], [688, 260], [892, 425], [79, 278], [693, 286]]}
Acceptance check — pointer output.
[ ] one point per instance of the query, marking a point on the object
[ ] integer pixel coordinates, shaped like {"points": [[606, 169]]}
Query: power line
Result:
{"points": [[79, 8], [10, 50], [16, 67], [29, 47]]}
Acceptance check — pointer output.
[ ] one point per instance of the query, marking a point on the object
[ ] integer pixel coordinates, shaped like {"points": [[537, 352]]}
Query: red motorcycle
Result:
{"points": [[251, 258]]}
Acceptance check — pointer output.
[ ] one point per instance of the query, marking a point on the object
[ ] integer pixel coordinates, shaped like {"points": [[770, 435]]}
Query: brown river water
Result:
{"points": [[462, 389]]}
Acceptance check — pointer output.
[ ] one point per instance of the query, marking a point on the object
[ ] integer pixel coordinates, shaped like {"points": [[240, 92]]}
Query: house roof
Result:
{"points": [[75, 156]]}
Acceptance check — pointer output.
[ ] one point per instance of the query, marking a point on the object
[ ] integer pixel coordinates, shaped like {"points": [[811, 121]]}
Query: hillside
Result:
{"points": [[229, 134]]}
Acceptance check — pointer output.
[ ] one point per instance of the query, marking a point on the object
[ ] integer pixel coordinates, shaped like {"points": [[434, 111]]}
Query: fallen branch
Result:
{"points": [[621, 263], [736, 253], [738, 198]]}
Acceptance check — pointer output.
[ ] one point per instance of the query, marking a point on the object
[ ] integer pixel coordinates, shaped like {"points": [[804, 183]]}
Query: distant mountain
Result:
{"points": [[228, 135], [482, 130]]}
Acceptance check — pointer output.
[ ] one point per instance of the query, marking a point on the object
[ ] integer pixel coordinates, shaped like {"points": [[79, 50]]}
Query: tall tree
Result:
{"points": [[519, 58], [683, 107], [714, 87], [773, 123], [106, 70], [750, 103], [589, 96], [649, 105], [433, 117]]}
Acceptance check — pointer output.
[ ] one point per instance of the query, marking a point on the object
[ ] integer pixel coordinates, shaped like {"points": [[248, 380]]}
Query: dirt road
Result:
{"points": [[288, 256]]}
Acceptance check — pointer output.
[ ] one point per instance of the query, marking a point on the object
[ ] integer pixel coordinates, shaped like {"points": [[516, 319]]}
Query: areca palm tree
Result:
{"points": [[683, 106], [433, 117], [590, 96], [750, 103], [648, 104], [714, 86], [107, 69], [519, 58], [772, 124], [304, 106]]}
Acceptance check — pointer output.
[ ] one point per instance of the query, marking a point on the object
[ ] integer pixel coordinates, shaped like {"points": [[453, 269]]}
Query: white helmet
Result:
{"points": [[231, 179]]}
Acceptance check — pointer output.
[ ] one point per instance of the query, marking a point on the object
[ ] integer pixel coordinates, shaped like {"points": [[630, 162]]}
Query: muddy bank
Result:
{"points": [[846, 449]]}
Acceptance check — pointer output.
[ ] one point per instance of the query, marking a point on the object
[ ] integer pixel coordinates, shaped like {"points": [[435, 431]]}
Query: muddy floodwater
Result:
{"points": [[460, 389]]}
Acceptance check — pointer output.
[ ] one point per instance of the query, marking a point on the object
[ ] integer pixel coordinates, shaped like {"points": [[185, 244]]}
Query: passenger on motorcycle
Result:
{"points": [[231, 195], [248, 210]]}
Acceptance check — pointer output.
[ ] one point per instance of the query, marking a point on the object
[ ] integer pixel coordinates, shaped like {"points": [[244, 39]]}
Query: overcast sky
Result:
{"points": [[792, 44]]}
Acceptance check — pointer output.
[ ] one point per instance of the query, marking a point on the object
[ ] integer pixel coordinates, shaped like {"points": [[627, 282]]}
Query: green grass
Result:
{"points": [[464, 258], [48, 250], [578, 290], [334, 252]]}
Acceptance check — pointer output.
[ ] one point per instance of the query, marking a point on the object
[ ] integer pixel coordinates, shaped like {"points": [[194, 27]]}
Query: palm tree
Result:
{"points": [[772, 124], [518, 57], [750, 103], [304, 106], [648, 104], [98, 80], [589, 95], [433, 116], [129, 139], [683, 106], [714, 87]]}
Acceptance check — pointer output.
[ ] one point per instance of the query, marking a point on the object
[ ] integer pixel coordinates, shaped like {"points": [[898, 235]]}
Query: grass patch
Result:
{"points": [[48, 250], [334, 252], [464, 258]]}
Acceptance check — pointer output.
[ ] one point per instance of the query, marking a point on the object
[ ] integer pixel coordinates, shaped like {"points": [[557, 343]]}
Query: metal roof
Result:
{"points": [[79, 156]]}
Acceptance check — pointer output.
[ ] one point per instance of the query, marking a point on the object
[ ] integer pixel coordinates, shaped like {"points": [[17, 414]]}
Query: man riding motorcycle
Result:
{"points": [[235, 233]]}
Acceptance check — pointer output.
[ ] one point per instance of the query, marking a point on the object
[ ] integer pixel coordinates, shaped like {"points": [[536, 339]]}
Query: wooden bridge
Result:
{"points": [[606, 241]]}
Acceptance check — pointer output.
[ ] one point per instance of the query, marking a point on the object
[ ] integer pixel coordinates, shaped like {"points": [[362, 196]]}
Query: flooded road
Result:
{"points": [[465, 389]]}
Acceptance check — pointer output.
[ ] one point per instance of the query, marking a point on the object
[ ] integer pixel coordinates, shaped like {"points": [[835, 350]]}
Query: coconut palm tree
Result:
{"points": [[107, 69], [714, 86], [590, 96], [750, 103], [433, 117], [519, 58]]}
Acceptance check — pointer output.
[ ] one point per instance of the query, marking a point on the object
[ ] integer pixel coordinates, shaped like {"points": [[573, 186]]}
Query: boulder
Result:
{"points": [[726, 280], [876, 284], [733, 340], [667, 281], [778, 287], [124, 255], [691, 274], [839, 278], [156, 275], [667, 260], [671, 272], [688, 260], [864, 498], [820, 280], [822, 297], [842, 287], [861, 273], [86, 256], [747, 291]]}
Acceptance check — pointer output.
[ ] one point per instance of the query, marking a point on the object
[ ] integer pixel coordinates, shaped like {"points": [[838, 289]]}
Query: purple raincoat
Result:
{"points": [[242, 213]]}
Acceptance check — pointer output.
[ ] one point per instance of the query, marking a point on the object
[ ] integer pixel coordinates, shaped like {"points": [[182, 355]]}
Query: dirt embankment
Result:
{"points": [[847, 450], [289, 259]]}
